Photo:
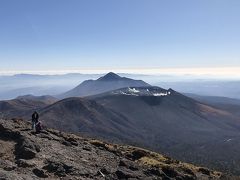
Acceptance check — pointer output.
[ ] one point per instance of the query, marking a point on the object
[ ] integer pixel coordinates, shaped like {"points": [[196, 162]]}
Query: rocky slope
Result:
{"points": [[56, 155], [149, 117]]}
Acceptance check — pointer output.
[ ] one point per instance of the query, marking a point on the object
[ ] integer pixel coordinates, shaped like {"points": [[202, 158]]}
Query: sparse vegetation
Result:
{"points": [[43, 155]]}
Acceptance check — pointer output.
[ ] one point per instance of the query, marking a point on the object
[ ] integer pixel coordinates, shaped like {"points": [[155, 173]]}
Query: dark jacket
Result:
{"points": [[35, 117]]}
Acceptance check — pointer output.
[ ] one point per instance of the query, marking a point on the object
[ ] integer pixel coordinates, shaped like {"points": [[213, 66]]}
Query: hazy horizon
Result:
{"points": [[159, 42], [147, 37], [207, 73]]}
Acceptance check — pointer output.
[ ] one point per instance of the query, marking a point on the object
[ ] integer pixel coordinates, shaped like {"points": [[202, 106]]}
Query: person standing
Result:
{"points": [[35, 117]]}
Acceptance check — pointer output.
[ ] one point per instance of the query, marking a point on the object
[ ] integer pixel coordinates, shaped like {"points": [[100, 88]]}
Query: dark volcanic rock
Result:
{"points": [[155, 171], [40, 173], [137, 154], [24, 163], [204, 171], [7, 165], [26, 149], [169, 171], [25, 155], [58, 168], [126, 174], [87, 148]]}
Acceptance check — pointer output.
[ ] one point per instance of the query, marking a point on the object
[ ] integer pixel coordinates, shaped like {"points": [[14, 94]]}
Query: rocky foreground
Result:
{"points": [[52, 154]]}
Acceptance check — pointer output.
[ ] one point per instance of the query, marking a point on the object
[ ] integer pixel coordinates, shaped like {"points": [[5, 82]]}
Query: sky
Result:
{"points": [[151, 36]]}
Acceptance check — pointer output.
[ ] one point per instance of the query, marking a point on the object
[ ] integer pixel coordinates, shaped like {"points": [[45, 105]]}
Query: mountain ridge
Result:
{"points": [[159, 119], [105, 83], [109, 77], [23, 106], [184, 128]]}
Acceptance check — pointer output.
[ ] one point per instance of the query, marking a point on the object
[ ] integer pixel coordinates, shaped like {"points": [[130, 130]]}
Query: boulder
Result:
{"points": [[26, 149], [39, 173], [58, 168]]}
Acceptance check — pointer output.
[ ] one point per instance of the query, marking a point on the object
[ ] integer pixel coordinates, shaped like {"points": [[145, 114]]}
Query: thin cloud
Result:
{"points": [[217, 71]]}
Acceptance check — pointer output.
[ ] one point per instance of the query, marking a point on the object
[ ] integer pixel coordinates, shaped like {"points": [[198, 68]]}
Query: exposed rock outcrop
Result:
{"points": [[54, 155]]}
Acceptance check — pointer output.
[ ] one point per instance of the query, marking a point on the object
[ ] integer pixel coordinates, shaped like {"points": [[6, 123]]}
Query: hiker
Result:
{"points": [[35, 118]]}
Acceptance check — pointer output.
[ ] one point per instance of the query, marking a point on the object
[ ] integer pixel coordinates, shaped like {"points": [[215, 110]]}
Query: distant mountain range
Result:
{"points": [[139, 114], [205, 87], [23, 106], [225, 103], [38, 85], [110, 81]]}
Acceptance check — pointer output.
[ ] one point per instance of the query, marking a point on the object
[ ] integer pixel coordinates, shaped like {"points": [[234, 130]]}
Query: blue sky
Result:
{"points": [[49, 35]]}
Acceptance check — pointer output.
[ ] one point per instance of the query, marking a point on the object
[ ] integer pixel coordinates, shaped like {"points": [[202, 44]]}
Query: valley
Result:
{"points": [[147, 116]]}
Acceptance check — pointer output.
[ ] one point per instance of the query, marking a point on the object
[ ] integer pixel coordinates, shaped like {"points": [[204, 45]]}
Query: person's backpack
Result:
{"points": [[38, 126]]}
